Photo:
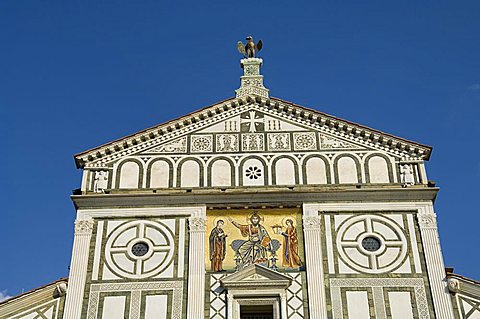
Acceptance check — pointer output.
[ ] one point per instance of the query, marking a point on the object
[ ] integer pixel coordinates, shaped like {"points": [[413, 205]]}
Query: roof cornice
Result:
{"points": [[148, 137], [253, 196]]}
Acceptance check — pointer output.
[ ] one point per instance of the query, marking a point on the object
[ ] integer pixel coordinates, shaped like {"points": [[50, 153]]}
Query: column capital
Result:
{"points": [[197, 224], [311, 222], [83, 226], [427, 220]]}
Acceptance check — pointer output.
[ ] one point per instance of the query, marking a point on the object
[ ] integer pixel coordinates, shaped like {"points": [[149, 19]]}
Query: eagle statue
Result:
{"points": [[250, 48]]}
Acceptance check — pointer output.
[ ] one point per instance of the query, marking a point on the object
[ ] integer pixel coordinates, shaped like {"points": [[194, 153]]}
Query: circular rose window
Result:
{"points": [[371, 244], [140, 249]]}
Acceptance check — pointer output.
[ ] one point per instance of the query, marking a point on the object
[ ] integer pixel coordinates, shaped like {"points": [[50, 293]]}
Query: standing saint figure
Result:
{"points": [[406, 175], [254, 250], [100, 181], [290, 246], [217, 241]]}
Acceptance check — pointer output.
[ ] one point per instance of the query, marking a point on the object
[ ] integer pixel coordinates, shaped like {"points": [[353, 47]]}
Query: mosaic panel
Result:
{"points": [[238, 238]]}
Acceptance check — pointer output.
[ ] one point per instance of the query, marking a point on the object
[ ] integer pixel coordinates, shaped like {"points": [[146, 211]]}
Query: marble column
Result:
{"points": [[314, 263], [196, 270], [442, 302], [78, 269]]}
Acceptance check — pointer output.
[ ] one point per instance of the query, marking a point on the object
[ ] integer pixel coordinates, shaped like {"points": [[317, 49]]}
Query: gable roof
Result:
{"points": [[256, 275], [36, 296], [156, 134]]}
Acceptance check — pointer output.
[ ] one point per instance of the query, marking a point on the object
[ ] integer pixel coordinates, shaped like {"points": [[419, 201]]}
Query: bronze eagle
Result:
{"points": [[250, 48]]}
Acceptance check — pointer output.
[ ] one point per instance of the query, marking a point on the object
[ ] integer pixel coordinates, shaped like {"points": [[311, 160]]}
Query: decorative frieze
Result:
{"points": [[278, 142], [176, 146], [253, 142], [305, 141], [329, 142], [227, 143], [201, 143]]}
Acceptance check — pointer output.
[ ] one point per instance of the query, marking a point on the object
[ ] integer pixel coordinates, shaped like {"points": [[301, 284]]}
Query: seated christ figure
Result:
{"points": [[254, 249]]}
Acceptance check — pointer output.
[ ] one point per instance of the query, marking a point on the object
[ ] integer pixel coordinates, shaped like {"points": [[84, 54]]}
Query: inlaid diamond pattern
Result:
{"points": [[218, 305], [469, 308], [295, 297]]}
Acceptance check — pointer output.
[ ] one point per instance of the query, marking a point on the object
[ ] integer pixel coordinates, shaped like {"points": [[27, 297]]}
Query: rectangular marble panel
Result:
{"points": [[357, 304], [400, 304], [156, 307], [113, 307]]}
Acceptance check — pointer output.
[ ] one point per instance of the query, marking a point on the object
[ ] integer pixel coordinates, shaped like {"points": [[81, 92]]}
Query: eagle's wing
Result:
{"points": [[259, 45], [241, 47]]}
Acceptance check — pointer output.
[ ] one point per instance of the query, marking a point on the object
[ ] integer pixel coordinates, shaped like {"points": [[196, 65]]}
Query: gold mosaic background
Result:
{"points": [[271, 217]]}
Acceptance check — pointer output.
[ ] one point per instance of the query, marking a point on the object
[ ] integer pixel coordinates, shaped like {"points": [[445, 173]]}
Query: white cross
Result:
{"points": [[252, 121]]}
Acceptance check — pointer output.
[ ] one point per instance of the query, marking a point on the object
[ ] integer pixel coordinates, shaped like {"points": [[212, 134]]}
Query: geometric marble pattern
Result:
{"points": [[352, 239], [218, 298], [136, 289], [295, 297], [378, 285], [304, 141], [469, 308], [48, 310]]}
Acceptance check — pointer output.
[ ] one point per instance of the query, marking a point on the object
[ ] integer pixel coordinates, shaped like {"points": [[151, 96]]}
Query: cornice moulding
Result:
{"points": [[252, 196]]}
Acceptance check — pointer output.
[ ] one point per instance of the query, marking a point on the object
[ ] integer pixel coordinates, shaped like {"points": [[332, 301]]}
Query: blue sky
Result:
{"points": [[77, 74]]}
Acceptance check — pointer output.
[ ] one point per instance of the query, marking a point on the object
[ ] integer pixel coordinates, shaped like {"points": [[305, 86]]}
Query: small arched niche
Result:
{"points": [[316, 171], [378, 171], [221, 173], [160, 174], [129, 176], [347, 170], [190, 174], [284, 172]]}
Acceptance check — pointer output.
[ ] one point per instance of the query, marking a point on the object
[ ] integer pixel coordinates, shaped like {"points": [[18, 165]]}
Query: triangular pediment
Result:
{"points": [[252, 124], [256, 276]]}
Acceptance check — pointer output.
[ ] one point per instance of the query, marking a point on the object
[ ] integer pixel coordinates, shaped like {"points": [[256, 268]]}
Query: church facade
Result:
{"points": [[255, 207]]}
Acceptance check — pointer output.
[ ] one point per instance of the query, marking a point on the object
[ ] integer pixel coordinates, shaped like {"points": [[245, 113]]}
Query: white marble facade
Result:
{"points": [[381, 258]]}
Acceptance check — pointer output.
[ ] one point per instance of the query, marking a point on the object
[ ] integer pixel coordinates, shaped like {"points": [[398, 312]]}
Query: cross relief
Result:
{"points": [[252, 122]]}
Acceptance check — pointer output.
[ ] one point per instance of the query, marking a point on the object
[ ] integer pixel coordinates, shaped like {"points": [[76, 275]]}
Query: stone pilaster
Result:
{"points": [[229, 306], [252, 81], [196, 270], [442, 302], [283, 305], [78, 268], [314, 262]]}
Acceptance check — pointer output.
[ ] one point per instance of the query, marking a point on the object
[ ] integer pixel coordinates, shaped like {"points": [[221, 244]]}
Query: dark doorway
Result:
{"points": [[256, 312]]}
